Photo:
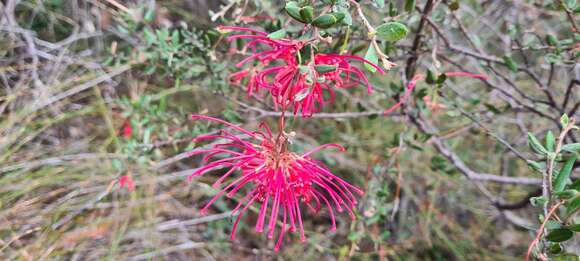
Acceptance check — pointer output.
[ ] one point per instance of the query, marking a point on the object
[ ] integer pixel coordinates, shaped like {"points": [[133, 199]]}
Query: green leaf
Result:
{"points": [[567, 41], [553, 224], [372, 57], [574, 227], [354, 236], [566, 194], [410, 5], [438, 162], [150, 70], [175, 37], [564, 120], [327, 20], [536, 145], [555, 248], [430, 77], [559, 235], [570, 4], [575, 185], [392, 31], [492, 108], [278, 34], [392, 9], [510, 63], [550, 141], [347, 17], [552, 40], [571, 147], [307, 13], [565, 257], [537, 166], [538, 201], [572, 205], [150, 37], [339, 16], [373, 219], [147, 136], [293, 11], [149, 15], [454, 5], [324, 68], [552, 58], [441, 79], [564, 174], [380, 3]]}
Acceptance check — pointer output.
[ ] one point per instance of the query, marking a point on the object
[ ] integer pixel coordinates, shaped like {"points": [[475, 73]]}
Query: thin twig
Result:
{"points": [[541, 229]]}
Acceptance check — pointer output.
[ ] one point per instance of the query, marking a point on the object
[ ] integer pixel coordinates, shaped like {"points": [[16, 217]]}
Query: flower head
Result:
{"points": [[127, 130], [126, 181], [278, 179], [306, 86]]}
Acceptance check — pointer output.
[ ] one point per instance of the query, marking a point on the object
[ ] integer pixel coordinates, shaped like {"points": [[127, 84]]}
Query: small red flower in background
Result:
{"points": [[126, 181], [306, 87], [279, 179], [127, 130]]}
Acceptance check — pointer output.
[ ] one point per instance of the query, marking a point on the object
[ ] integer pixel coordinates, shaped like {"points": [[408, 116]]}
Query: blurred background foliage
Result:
{"points": [[76, 75]]}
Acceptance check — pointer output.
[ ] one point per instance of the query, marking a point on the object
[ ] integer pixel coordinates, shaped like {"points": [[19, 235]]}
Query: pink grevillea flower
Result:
{"points": [[284, 49], [279, 49], [345, 75], [305, 87], [280, 180], [419, 77], [126, 181], [126, 130]]}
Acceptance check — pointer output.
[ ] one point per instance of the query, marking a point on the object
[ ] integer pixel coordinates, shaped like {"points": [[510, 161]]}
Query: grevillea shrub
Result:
{"points": [[281, 181], [299, 79]]}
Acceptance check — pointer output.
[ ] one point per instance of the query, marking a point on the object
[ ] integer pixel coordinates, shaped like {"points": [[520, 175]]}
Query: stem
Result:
{"points": [[412, 61], [281, 138], [541, 229], [373, 38], [547, 183], [552, 160]]}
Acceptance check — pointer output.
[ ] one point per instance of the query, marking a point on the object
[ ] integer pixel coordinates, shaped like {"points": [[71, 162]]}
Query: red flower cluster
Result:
{"points": [[275, 175], [305, 87]]}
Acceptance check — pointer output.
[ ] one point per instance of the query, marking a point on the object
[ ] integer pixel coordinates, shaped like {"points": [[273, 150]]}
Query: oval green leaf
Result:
{"points": [[574, 227], [324, 68], [535, 144], [293, 10], [510, 63], [392, 31], [325, 21], [564, 174], [550, 141], [559, 235], [372, 57], [571, 147], [307, 13], [278, 34]]}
